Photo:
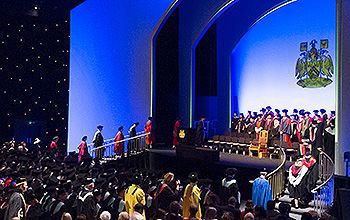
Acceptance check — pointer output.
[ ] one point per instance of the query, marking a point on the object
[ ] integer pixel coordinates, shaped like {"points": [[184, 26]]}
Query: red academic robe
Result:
{"points": [[119, 146], [175, 133], [148, 129], [82, 150]]}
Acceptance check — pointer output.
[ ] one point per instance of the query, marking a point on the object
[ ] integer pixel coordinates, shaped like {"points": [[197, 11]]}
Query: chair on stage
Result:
{"points": [[261, 146]]}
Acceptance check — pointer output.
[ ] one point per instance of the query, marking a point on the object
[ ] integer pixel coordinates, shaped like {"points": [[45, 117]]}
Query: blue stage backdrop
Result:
{"points": [[264, 62], [110, 62]]}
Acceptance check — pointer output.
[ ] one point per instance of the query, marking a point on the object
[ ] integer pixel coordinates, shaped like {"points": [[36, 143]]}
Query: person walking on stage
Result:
{"points": [[148, 130], [83, 149], [119, 144], [98, 142], [132, 143], [200, 132], [54, 146], [176, 132]]}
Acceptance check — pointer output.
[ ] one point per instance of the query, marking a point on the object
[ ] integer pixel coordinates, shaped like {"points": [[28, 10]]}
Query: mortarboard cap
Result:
{"points": [[322, 110]]}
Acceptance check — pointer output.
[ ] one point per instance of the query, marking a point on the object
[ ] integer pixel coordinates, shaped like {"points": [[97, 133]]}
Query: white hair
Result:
{"points": [[105, 215]]}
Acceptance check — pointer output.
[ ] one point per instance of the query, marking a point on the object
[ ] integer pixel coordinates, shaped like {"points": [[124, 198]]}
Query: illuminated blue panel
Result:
{"points": [[109, 69], [263, 63]]}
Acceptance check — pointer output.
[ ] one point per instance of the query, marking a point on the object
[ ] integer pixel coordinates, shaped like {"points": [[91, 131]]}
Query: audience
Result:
{"points": [[92, 189]]}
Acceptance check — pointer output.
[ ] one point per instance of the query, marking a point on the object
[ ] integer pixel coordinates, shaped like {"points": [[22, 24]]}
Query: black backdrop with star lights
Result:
{"points": [[34, 73]]}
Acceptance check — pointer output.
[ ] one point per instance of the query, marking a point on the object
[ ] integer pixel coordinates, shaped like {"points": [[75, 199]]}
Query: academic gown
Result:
{"points": [[285, 129], [261, 191], [191, 196], [119, 146], [176, 133], [16, 207], [296, 178], [329, 142], [148, 129], [229, 188]]}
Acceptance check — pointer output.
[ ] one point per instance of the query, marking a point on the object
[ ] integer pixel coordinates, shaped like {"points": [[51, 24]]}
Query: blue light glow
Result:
{"points": [[110, 63]]}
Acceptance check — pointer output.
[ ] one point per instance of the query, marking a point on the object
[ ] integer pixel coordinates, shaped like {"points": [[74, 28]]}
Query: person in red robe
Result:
{"points": [[54, 146], [119, 144], [148, 130], [83, 149], [176, 133]]}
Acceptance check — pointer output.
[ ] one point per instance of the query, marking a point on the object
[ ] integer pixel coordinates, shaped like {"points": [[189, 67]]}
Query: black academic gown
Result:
{"points": [[16, 207]]}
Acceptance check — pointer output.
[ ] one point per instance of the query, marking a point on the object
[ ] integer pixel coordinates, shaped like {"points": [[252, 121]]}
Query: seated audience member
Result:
{"points": [[105, 215], [249, 216], [284, 209], [249, 207], [123, 216], [210, 214], [227, 216], [137, 214], [259, 213], [271, 213], [306, 216], [66, 216], [174, 211]]}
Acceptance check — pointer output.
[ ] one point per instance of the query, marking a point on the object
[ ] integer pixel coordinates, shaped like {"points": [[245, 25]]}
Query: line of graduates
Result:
{"points": [[301, 126]]}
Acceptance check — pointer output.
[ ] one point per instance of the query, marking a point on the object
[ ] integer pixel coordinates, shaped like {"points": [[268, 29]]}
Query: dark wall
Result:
{"points": [[206, 76], [34, 69], [167, 79]]}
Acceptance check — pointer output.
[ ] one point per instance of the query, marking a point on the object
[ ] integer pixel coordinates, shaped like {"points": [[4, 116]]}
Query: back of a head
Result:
{"points": [[248, 216], [210, 213], [105, 215], [227, 216], [175, 207], [306, 216], [123, 216], [270, 205], [66, 216], [284, 208], [249, 206], [232, 201]]}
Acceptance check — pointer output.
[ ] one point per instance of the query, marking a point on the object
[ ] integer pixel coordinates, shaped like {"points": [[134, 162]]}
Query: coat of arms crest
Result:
{"points": [[314, 68]]}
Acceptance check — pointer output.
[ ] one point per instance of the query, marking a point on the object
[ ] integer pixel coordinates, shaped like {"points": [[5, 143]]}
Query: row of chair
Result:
{"points": [[246, 144]]}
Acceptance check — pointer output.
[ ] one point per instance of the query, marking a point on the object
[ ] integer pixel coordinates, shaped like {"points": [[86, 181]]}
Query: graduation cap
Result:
{"points": [[255, 113], [302, 112], [263, 110], [295, 111], [120, 128], [268, 108], [36, 141], [99, 126], [277, 110], [20, 181], [315, 111], [193, 177], [88, 181], [333, 112], [322, 110], [307, 113], [285, 111]]}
